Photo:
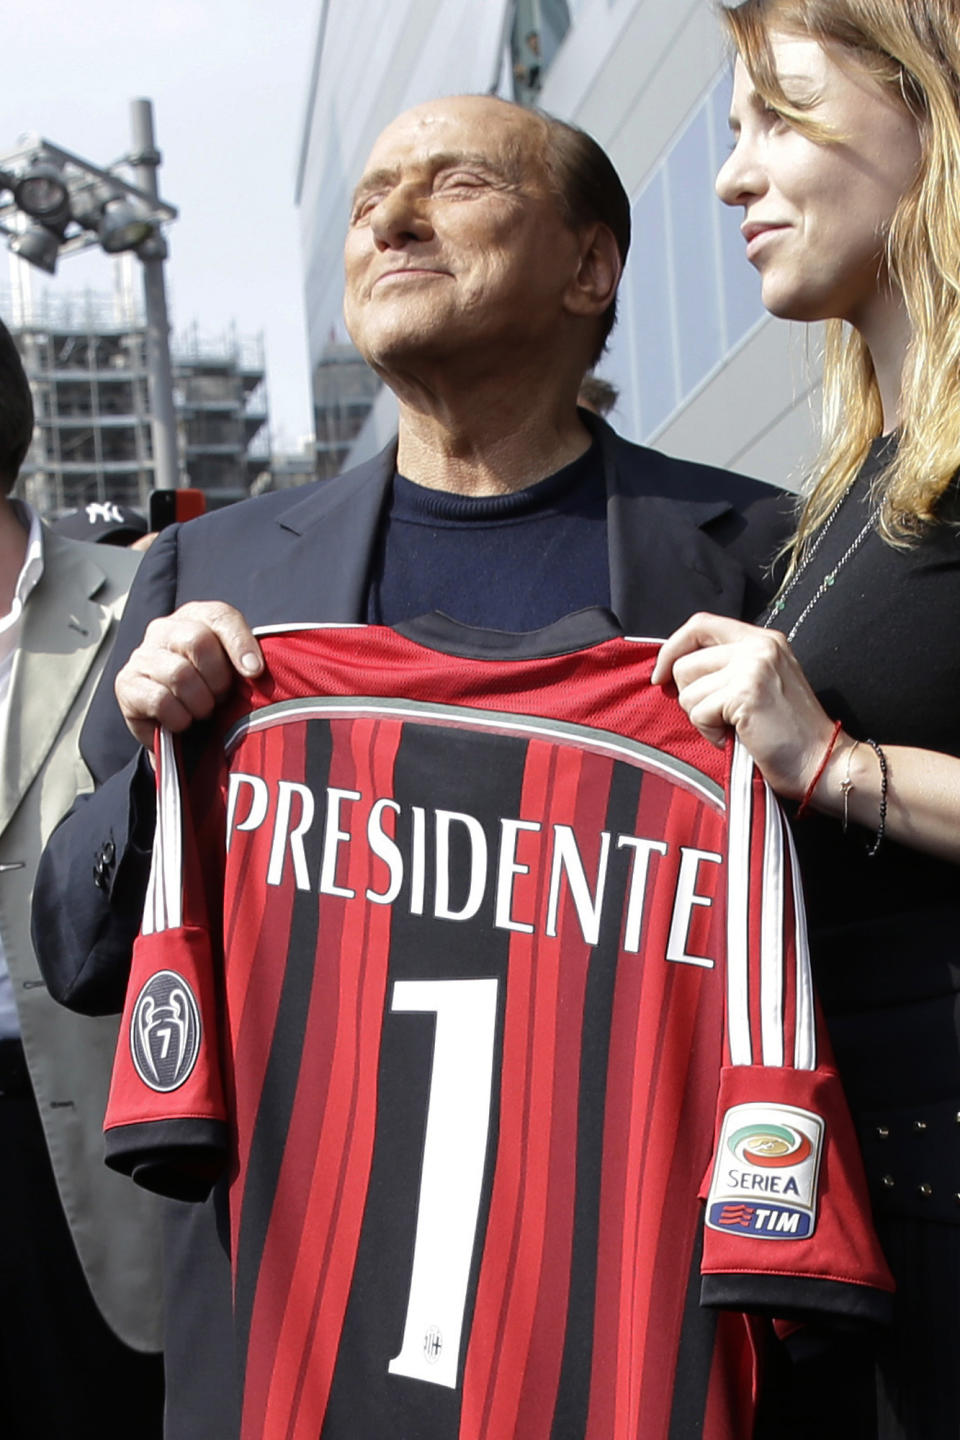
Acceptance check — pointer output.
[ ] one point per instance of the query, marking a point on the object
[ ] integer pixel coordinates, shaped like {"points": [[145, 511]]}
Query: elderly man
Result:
{"points": [[484, 250]]}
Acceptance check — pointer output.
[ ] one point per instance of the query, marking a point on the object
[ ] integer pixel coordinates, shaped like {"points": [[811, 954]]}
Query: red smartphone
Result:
{"points": [[169, 506]]}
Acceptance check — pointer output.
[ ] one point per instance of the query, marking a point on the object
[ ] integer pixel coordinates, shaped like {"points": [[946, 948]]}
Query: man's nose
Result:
{"points": [[399, 219]]}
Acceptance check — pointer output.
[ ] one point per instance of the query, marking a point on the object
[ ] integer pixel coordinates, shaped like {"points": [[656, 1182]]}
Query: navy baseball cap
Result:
{"points": [[103, 522]]}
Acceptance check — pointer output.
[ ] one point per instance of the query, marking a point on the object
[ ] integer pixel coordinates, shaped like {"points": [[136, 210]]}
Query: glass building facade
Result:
{"points": [[689, 298]]}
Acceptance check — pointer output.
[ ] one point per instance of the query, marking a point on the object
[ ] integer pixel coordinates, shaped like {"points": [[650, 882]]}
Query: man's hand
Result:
{"points": [[184, 665]]}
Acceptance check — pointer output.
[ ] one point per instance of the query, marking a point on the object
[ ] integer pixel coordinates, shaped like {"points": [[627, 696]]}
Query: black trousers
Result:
{"points": [[64, 1375]]}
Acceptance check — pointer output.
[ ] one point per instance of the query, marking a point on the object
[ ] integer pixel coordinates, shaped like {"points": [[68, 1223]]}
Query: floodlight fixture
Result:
{"points": [[154, 247], [39, 245], [71, 205], [88, 201], [123, 227], [42, 193]]}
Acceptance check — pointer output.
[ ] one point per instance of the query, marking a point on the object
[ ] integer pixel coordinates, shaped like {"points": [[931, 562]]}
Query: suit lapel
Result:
{"points": [[63, 628], [326, 550], [662, 570], [663, 567]]}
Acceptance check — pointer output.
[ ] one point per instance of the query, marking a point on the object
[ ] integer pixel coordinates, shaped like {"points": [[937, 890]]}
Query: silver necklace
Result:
{"points": [[829, 579]]}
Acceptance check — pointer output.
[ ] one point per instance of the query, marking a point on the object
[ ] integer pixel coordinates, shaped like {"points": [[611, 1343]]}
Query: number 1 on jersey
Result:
{"points": [[455, 1147]]}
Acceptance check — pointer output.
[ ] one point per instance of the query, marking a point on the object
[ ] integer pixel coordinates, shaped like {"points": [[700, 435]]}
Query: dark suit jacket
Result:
{"points": [[681, 538]]}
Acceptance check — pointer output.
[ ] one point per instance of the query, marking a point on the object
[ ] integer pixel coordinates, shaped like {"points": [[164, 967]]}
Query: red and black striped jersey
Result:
{"points": [[483, 979]]}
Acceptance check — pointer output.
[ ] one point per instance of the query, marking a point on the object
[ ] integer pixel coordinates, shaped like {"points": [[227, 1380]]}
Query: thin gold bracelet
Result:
{"points": [[847, 786]]}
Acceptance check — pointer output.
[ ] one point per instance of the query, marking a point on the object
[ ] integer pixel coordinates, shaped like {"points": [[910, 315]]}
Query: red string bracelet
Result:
{"points": [[808, 793]]}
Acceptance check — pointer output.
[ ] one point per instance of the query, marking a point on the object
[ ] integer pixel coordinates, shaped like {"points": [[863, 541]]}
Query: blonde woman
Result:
{"points": [[846, 165]]}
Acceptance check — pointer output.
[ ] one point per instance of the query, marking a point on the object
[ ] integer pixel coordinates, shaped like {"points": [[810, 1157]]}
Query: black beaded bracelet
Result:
{"points": [[881, 828]]}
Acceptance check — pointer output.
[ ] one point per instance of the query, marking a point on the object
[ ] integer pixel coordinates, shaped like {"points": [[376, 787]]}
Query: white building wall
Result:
{"points": [[704, 373]]}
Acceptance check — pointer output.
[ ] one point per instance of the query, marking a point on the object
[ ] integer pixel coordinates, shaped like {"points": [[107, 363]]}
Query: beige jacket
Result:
{"points": [[68, 627]]}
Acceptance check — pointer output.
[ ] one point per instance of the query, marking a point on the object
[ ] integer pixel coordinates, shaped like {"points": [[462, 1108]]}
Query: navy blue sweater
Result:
{"points": [[504, 562]]}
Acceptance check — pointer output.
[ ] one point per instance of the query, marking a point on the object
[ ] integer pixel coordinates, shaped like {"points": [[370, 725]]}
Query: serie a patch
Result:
{"points": [[766, 1172]]}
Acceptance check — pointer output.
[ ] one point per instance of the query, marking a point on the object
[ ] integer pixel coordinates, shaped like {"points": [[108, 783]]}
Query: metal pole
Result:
{"points": [[145, 160], [509, 15]]}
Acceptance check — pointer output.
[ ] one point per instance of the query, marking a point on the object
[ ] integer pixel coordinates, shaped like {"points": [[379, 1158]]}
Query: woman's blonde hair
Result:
{"points": [[912, 48]]}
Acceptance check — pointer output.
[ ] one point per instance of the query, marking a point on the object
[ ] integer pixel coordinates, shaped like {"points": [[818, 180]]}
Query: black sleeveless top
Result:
{"points": [[881, 648]]}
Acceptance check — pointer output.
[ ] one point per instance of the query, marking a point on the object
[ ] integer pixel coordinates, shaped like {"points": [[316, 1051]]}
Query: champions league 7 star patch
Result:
{"points": [[165, 1031], [766, 1172]]}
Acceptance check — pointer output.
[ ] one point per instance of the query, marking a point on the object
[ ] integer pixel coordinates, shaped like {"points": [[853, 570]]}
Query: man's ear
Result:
{"points": [[593, 287]]}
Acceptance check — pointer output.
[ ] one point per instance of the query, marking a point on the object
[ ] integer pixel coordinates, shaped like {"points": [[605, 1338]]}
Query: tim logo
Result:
{"points": [[165, 1031], [779, 1222], [433, 1345]]}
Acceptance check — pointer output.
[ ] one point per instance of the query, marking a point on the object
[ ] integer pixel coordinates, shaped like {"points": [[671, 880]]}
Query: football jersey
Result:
{"points": [[482, 980]]}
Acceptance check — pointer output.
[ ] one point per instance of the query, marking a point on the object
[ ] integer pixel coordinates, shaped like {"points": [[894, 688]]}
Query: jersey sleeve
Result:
{"points": [[788, 1227], [166, 1123]]}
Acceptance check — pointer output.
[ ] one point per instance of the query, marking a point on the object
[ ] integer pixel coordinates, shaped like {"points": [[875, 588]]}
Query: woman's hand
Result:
{"points": [[729, 674]]}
